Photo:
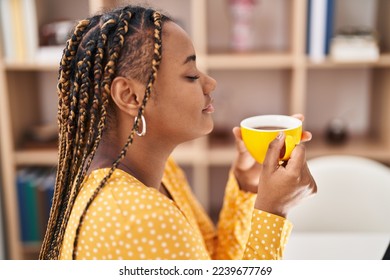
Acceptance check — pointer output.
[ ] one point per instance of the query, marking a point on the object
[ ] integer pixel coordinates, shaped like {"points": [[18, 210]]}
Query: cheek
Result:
{"points": [[178, 101]]}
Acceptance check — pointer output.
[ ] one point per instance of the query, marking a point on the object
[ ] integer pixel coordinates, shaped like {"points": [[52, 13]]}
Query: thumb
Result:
{"points": [[272, 157]]}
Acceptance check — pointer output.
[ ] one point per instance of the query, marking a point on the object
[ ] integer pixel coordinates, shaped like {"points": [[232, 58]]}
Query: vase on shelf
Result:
{"points": [[242, 29]]}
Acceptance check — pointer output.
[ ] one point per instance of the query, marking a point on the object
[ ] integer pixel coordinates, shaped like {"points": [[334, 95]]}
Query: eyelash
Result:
{"points": [[193, 78]]}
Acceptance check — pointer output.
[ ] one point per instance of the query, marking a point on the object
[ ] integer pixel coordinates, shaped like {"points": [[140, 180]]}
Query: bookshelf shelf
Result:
{"points": [[282, 76], [249, 61], [31, 250], [359, 146], [383, 61], [46, 157], [31, 66], [223, 155]]}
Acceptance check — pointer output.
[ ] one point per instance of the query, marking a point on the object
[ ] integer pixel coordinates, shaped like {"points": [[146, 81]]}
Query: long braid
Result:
{"points": [[96, 101], [84, 69], [70, 125], [63, 88], [70, 155], [155, 64], [79, 144], [90, 62]]}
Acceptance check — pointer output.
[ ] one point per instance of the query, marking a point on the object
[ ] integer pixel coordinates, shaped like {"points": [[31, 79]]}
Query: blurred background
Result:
{"points": [[327, 59]]}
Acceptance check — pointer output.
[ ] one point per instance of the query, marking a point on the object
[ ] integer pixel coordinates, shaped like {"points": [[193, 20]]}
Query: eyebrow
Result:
{"points": [[190, 58]]}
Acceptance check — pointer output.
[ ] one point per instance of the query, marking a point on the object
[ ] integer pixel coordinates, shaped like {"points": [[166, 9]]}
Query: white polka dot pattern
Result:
{"points": [[268, 236], [128, 220]]}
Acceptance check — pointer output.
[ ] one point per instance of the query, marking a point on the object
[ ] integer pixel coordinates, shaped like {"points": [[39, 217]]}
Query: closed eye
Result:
{"points": [[192, 78]]}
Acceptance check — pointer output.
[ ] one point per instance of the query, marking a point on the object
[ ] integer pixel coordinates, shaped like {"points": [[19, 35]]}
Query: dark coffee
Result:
{"points": [[270, 127]]}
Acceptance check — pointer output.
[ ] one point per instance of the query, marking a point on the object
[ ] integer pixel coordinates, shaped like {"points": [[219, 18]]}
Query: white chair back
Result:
{"points": [[353, 195]]}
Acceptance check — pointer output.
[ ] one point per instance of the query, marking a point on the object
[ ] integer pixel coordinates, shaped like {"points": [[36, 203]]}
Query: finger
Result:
{"points": [[297, 159], [273, 153], [308, 180], [237, 133], [306, 136], [243, 160], [300, 117], [239, 143]]}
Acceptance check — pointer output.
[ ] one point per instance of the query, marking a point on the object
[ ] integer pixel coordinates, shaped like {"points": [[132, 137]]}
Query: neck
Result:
{"points": [[144, 159]]}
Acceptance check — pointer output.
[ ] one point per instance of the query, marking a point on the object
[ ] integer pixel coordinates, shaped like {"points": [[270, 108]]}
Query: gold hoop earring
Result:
{"points": [[143, 132]]}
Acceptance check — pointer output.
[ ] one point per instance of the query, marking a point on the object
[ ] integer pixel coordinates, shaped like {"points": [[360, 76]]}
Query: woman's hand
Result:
{"points": [[245, 168], [281, 187]]}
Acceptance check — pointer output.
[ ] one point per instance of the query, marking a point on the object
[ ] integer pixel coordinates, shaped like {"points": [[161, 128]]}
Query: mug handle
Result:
{"points": [[290, 145]]}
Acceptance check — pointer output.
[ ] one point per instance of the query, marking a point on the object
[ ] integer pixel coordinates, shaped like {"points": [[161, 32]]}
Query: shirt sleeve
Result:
{"points": [[268, 236], [247, 233]]}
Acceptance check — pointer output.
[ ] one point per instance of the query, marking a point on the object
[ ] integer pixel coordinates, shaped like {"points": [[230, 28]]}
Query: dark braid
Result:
{"points": [[155, 64], [63, 90], [91, 60]]}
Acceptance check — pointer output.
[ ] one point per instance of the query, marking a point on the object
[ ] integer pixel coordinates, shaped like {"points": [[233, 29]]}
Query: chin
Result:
{"points": [[209, 128]]}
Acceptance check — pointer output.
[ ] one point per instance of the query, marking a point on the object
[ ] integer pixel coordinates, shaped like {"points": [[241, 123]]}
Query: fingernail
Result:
{"points": [[280, 135]]}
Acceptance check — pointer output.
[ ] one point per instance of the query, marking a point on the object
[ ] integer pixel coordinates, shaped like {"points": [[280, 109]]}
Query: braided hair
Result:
{"points": [[124, 41]]}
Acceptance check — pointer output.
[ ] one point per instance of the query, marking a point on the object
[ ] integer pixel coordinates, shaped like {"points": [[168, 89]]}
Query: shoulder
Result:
{"points": [[126, 196]]}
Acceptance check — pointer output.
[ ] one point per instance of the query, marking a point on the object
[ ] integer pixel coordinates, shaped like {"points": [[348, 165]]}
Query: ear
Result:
{"points": [[127, 95]]}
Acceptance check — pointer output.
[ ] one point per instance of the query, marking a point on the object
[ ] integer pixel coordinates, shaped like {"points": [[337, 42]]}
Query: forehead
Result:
{"points": [[176, 44]]}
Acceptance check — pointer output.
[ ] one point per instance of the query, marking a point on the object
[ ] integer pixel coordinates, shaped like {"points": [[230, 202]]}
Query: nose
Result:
{"points": [[209, 84]]}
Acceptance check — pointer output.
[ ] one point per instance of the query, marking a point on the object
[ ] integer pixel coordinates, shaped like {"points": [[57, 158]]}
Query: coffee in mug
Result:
{"points": [[259, 131]]}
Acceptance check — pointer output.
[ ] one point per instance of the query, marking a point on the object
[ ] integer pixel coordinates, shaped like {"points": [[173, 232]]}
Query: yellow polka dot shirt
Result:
{"points": [[128, 220]]}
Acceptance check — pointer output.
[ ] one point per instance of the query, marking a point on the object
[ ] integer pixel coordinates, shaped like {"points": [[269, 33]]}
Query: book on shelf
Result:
{"points": [[18, 26], [29, 11], [320, 18], [35, 188], [19, 29], [7, 38], [329, 30], [21, 36]]}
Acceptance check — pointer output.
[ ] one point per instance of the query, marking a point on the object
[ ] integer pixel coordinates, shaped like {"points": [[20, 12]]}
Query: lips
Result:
{"points": [[209, 108]]}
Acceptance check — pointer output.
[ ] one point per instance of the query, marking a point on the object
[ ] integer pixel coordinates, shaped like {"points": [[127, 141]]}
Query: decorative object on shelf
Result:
{"points": [[55, 33], [354, 44], [43, 133], [52, 38], [336, 131], [242, 15]]}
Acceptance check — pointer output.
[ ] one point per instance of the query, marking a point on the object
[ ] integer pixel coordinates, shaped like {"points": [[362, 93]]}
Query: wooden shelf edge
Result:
{"points": [[383, 61], [31, 251], [31, 66], [36, 157], [232, 61], [360, 146], [224, 154], [364, 147], [249, 61]]}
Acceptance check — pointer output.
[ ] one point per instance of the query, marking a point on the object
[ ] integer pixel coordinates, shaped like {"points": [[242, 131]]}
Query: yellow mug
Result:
{"points": [[259, 131]]}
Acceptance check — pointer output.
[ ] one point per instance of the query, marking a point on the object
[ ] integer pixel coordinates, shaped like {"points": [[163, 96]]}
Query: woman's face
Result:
{"points": [[180, 107]]}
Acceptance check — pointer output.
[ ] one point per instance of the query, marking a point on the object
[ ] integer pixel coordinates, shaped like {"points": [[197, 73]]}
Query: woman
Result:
{"points": [[129, 93]]}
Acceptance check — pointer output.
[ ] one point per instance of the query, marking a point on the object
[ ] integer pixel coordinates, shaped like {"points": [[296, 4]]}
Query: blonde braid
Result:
{"points": [[63, 88], [155, 64]]}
